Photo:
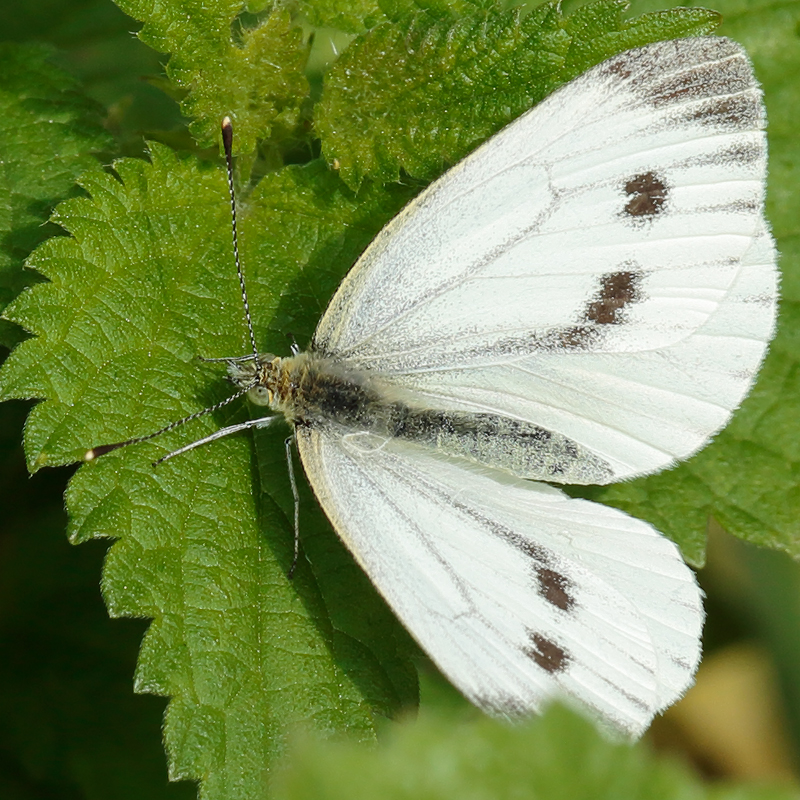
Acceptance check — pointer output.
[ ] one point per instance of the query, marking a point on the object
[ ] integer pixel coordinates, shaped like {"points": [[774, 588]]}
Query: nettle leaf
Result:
{"points": [[258, 80], [418, 95], [747, 478], [351, 16], [363, 15], [557, 756], [49, 134], [145, 284], [398, 10]]}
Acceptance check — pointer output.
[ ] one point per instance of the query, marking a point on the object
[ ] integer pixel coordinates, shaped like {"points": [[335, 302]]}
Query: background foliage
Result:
{"points": [[390, 94]]}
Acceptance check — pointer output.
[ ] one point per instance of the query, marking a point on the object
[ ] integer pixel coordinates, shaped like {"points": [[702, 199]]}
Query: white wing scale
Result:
{"points": [[601, 268], [482, 295], [468, 558]]}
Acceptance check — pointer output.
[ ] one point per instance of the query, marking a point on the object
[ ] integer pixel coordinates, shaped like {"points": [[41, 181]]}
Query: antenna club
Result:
{"points": [[227, 135], [101, 450]]}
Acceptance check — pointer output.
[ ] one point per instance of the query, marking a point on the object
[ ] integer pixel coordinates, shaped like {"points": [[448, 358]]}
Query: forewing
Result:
{"points": [[518, 593], [601, 267]]}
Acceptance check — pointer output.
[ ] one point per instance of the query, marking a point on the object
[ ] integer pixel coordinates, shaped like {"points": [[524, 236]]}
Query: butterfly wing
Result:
{"points": [[518, 593], [601, 267]]}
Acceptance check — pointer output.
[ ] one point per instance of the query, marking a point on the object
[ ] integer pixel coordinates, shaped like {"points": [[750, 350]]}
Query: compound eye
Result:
{"points": [[260, 395]]}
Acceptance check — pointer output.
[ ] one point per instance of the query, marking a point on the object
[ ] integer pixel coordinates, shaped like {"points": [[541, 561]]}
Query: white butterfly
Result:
{"points": [[584, 299]]}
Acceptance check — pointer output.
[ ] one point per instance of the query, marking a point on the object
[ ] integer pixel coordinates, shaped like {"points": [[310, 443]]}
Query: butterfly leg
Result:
{"points": [[290, 465], [261, 422]]}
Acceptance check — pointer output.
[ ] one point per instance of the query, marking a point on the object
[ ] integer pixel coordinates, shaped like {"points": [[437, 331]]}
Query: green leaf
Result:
{"points": [[145, 283], [747, 478], [557, 756], [419, 95], [42, 114], [71, 727], [357, 17], [258, 80], [350, 16]]}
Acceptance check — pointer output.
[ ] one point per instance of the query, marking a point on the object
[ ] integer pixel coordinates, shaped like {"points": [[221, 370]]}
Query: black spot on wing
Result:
{"points": [[648, 194], [552, 585], [546, 653], [555, 588], [617, 291]]}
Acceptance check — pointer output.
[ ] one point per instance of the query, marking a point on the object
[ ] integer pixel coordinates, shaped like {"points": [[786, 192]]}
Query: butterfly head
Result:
{"points": [[257, 378]]}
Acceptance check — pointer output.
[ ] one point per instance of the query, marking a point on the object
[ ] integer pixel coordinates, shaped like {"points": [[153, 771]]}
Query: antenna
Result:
{"points": [[95, 452], [227, 143], [102, 449]]}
